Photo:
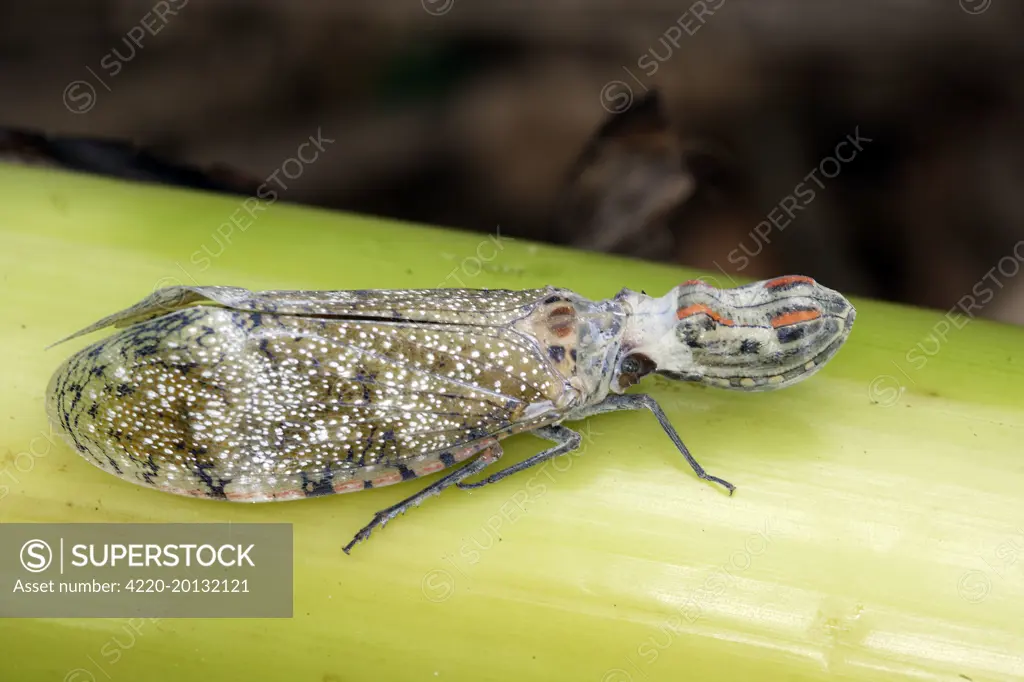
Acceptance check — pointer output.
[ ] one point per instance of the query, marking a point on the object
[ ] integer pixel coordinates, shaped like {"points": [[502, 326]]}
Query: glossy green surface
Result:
{"points": [[875, 533]]}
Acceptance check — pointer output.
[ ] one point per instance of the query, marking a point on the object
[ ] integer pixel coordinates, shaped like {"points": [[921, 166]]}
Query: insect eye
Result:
{"points": [[636, 365], [630, 365]]}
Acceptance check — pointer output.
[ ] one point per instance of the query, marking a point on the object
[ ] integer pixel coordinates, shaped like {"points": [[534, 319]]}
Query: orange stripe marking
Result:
{"points": [[794, 317], [348, 486], [430, 468], [788, 279], [242, 497], [388, 479], [691, 282], [700, 308]]}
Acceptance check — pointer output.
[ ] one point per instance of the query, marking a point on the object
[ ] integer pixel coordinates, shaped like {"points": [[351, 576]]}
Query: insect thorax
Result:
{"points": [[581, 338]]}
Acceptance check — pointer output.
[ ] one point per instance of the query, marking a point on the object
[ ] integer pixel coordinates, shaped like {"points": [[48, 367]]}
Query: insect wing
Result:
{"points": [[218, 401], [484, 307]]}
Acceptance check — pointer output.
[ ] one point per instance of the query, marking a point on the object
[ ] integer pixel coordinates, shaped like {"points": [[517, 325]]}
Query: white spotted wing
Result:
{"points": [[222, 392]]}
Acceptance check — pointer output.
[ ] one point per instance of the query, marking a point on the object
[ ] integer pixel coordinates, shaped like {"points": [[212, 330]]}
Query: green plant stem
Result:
{"points": [[875, 533]]}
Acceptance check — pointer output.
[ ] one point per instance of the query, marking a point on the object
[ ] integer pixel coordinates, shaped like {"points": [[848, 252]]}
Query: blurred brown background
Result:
{"points": [[474, 113]]}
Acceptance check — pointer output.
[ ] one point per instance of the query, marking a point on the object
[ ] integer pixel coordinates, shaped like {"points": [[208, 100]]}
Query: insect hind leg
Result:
{"points": [[567, 440], [489, 456]]}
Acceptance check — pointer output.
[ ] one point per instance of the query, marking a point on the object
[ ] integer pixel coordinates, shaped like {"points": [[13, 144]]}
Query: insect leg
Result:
{"points": [[567, 440], [641, 401], [384, 515]]}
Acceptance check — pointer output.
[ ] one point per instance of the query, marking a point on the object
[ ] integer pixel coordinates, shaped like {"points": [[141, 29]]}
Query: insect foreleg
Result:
{"points": [[491, 455], [642, 401], [567, 440]]}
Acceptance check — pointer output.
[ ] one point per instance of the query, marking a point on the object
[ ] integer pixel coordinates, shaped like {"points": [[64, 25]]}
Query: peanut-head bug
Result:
{"points": [[224, 393]]}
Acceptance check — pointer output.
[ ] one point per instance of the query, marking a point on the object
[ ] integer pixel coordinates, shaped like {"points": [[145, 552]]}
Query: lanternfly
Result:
{"points": [[224, 393]]}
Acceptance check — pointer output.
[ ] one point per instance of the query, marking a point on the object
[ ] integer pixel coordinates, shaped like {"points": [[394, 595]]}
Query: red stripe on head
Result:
{"points": [[788, 279], [794, 317], [701, 309]]}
